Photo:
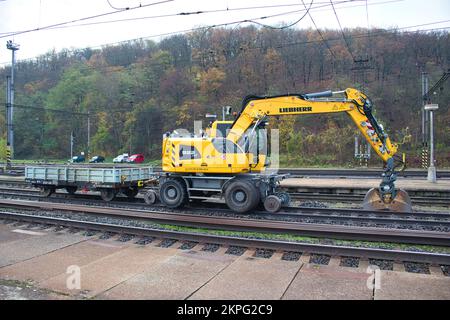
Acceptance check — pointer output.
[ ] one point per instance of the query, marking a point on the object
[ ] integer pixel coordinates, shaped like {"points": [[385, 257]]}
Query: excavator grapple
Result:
{"points": [[374, 201], [386, 196]]}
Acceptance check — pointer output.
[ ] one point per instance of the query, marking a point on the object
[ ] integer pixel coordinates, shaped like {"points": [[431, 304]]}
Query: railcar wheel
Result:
{"points": [[131, 192], [47, 191], [71, 189], [285, 198], [242, 196], [150, 197], [108, 194], [272, 204], [173, 194]]}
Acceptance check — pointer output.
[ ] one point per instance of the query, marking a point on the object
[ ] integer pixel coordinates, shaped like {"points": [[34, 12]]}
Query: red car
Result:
{"points": [[136, 158]]}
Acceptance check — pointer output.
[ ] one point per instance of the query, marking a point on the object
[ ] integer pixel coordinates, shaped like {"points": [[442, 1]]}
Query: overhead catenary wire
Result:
{"points": [[197, 12], [21, 106], [320, 33], [289, 25], [82, 19], [361, 35], [342, 31], [115, 8]]}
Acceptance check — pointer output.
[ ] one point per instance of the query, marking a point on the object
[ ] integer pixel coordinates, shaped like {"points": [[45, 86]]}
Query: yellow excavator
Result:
{"points": [[231, 158]]}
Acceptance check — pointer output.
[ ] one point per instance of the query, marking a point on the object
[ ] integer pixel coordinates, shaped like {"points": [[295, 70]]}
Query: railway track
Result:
{"points": [[246, 224], [306, 196], [351, 217], [333, 250]]}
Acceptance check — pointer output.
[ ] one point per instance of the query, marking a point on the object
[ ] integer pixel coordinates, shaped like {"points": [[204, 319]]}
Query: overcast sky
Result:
{"points": [[20, 15]]}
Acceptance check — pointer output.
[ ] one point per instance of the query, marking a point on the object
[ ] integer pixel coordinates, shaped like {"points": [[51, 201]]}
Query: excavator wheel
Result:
{"points": [[173, 193], [242, 196], [401, 202]]}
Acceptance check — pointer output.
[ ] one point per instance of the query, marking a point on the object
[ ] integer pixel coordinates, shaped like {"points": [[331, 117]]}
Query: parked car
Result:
{"points": [[78, 159], [121, 158], [97, 159], [136, 158]]}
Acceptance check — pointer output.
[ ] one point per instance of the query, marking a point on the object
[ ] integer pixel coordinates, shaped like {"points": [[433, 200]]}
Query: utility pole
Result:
{"points": [[438, 86], [432, 168], [71, 145], [13, 47], [8, 122], [88, 134], [424, 154]]}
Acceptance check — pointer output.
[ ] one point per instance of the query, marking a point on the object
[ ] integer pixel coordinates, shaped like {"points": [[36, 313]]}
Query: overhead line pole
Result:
{"points": [[10, 103]]}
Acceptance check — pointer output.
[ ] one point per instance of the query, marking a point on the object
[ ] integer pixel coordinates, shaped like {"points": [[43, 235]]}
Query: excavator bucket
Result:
{"points": [[401, 202]]}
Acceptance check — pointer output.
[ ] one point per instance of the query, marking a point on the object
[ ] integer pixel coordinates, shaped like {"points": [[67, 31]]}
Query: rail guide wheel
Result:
{"points": [[400, 203], [150, 197], [273, 203]]}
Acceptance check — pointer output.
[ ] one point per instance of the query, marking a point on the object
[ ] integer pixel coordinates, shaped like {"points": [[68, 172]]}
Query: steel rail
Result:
{"points": [[251, 225], [431, 219], [432, 200], [287, 211], [333, 250]]}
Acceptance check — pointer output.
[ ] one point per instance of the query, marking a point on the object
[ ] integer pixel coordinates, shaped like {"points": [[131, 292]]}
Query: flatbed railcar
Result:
{"points": [[109, 181]]}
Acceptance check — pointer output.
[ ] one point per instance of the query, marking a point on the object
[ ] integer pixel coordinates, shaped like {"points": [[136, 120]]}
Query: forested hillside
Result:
{"points": [[136, 91]]}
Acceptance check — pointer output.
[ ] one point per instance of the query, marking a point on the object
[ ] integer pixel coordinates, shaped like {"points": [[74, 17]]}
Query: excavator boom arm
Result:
{"points": [[355, 104]]}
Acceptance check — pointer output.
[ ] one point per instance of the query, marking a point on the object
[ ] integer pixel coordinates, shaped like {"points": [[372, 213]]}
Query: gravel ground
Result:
{"points": [[291, 256], [352, 262], [235, 250], [416, 267], [125, 237], [446, 270], [264, 253], [74, 230], [211, 247], [166, 243], [319, 259], [382, 264], [90, 233], [58, 228], [145, 240], [312, 204], [187, 245], [107, 235]]}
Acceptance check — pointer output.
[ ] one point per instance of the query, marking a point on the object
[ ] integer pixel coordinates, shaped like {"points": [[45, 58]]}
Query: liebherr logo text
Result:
{"points": [[296, 109]]}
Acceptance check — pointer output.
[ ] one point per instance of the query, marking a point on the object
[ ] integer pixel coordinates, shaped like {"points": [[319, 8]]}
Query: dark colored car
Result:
{"points": [[136, 158], [77, 159], [97, 159]]}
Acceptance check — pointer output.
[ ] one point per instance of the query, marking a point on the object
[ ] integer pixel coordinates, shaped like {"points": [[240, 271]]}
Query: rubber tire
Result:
{"points": [[108, 194], [252, 196], [71, 189], [47, 191], [150, 197], [179, 199], [131, 193], [272, 203]]}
